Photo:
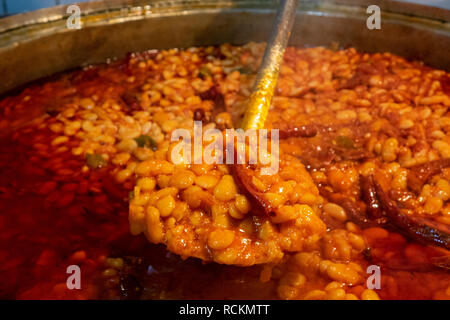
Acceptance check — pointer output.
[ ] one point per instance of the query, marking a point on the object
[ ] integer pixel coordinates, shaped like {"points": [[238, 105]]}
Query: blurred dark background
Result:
{"points": [[8, 7]]}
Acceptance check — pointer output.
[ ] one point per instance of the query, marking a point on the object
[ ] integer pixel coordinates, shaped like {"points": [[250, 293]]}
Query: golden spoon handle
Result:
{"points": [[259, 103]]}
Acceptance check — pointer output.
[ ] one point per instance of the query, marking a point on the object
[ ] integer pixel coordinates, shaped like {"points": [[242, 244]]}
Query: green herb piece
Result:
{"points": [[345, 142], [204, 71], [95, 161], [244, 70], [145, 141], [131, 195]]}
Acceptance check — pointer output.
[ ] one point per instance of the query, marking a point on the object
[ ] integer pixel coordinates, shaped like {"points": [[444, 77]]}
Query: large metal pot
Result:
{"points": [[38, 43]]}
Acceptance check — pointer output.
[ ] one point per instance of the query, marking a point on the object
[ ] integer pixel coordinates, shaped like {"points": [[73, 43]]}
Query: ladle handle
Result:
{"points": [[259, 103]]}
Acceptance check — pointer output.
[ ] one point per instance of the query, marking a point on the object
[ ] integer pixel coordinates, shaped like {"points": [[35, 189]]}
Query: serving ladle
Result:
{"points": [[260, 100]]}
